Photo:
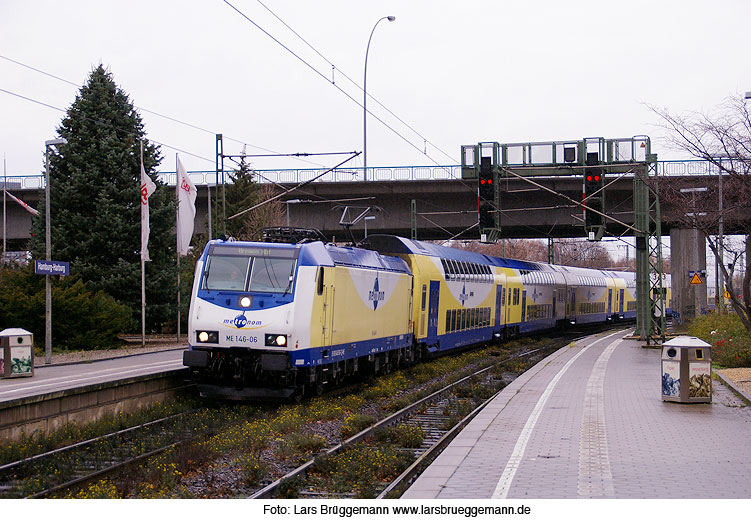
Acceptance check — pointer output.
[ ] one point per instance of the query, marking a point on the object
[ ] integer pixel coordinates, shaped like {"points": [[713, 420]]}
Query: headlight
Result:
{"points": [[276, 340], [245, 301], [211, 337]]}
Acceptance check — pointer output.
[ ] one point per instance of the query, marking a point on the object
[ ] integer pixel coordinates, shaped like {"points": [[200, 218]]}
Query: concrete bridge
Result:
{"points": [[445, 204]]}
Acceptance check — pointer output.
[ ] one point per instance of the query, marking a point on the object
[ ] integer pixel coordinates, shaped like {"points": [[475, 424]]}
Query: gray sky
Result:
{"points": [[455, 72]]}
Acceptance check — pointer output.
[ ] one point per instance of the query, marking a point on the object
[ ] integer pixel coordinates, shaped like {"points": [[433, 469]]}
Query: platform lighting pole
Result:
{"points": [[48, 248], [365, 101], [365, 221]]}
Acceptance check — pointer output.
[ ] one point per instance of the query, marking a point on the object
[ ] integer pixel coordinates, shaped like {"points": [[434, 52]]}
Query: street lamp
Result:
{"points": [[365, 101], [365, 219], [48, 248]]}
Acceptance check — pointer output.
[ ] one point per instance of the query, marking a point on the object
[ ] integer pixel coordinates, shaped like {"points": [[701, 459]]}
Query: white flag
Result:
{"points": [[186, 209], [23, 204], [147, 188]]}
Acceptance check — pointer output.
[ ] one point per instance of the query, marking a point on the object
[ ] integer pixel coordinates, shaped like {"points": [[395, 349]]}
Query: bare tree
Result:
{"points": [[723, 139]]}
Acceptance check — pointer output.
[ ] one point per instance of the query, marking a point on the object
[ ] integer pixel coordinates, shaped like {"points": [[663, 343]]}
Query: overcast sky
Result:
{"points": [[455, 72]]}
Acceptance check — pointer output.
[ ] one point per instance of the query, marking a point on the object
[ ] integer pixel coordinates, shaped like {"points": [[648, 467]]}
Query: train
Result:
{"points": [[281, 320]]}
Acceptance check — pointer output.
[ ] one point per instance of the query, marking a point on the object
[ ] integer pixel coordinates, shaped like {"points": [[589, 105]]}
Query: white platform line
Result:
{"points": [[504, 483], [43, 384], [595, 477]]}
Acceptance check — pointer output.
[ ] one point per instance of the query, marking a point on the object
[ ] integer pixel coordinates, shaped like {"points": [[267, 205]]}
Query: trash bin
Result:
{"points": [[16, 353], [686, 370]]}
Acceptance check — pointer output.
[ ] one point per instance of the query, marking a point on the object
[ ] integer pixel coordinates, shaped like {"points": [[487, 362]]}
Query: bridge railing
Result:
{"points": [[375, 174]]}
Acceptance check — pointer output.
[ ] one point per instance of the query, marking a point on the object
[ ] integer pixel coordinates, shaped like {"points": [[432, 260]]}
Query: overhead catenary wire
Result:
{"points": [[104, 123], [322, 75], [292, 188], [334, 68], [145, 110]]}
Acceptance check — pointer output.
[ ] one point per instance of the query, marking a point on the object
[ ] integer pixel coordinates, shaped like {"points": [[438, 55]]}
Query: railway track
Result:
{"points": [[440, 416], [64, 469], [436, 418]]}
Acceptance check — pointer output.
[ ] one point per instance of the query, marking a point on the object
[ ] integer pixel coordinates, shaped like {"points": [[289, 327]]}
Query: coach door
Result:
{"points": [[610, 302], [620, 301], [435, 287], [524, 305], [498, 305], [327, 313], [571, 306]]}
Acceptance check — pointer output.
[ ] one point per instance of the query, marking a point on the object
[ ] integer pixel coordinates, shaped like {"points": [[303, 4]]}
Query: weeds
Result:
{"points": [[731, 343]]}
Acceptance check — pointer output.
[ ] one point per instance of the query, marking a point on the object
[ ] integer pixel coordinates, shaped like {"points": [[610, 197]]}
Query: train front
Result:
{"points": [[241, 320]]}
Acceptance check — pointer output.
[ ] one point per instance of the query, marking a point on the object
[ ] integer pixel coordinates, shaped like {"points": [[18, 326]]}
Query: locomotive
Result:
{"points": [[282, 320]]}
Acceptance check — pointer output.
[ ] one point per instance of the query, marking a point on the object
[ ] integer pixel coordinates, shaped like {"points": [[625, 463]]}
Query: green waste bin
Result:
{"points": [[686, 370], [16, 353]]}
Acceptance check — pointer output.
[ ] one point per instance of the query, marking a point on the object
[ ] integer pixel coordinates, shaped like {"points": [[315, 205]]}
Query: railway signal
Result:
{"points": [[486, 195], [593, 197]]}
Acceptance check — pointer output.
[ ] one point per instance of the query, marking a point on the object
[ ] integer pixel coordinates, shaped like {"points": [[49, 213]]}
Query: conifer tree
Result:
{"points": [[242, 193], [95, 209]]}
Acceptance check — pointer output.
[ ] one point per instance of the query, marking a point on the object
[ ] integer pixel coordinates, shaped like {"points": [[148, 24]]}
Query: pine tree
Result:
{"points": [[95, 210], [242, 193]]}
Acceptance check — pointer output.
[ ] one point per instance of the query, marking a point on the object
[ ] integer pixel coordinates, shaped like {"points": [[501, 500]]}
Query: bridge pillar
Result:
{"points": [[688, 254]]}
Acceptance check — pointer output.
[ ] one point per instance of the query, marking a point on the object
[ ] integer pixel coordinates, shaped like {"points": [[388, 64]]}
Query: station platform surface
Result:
{"points": [[53, 378], [589, 422]]}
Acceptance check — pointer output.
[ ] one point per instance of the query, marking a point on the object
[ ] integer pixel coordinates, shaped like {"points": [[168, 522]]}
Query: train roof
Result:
{"points": [[313, 254], [403, 246]]}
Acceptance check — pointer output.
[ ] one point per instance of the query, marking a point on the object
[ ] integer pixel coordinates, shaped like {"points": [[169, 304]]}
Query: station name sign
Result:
{"points": [[51, 267]]}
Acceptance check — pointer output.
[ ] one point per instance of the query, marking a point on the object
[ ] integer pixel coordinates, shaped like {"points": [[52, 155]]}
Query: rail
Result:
{"points": [[355, 174]]}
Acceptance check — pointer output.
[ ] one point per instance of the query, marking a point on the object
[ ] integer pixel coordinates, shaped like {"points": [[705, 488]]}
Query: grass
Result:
{"points": [[251, 435], [731, 343]]}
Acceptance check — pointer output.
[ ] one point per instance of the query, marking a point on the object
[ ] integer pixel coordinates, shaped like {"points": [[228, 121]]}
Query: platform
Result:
{"points": [[589, 422], [56, 378]]}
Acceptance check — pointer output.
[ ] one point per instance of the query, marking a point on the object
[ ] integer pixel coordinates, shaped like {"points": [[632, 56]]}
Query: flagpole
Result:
{"points": [[143, 266], [177, 242], [5, 185]]}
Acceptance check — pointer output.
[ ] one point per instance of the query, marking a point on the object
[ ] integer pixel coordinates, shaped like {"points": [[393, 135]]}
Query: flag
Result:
{"points": [[147, 188], [23, 204], [186, 209]]}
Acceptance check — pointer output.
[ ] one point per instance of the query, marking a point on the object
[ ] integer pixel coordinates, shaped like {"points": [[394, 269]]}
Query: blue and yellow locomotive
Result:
{"points": [[280, 320]]}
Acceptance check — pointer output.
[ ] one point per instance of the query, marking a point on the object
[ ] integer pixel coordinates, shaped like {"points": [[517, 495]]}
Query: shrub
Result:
{"points": [[731, 343], [81, 319]]}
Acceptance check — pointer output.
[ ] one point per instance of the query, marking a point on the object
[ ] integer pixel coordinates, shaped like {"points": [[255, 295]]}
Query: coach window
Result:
{"points": [[424, 294], [319, 288], [454, 270]]}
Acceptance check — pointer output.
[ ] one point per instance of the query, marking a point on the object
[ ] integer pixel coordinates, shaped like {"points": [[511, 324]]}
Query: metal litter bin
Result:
{"points": [[16, 353], [686, 370]]}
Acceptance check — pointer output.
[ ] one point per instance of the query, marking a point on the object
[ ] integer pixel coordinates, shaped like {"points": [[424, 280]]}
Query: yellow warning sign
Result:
{"points": [[727, 294], [696, 279]]}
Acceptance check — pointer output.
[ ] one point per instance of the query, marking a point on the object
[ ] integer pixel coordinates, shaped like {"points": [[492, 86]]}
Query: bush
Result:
{"points": [[731, 343], [81, 319]]}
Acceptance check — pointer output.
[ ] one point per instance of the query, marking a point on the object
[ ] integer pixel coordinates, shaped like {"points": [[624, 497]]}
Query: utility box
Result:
{"points": [[16, 353], [686, 370]]}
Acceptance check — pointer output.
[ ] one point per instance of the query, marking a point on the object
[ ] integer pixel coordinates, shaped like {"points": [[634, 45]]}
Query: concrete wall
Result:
{"points": [[688, 253], [46, 413]]}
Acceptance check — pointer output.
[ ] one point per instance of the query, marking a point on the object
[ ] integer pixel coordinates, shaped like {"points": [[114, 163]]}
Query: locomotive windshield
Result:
{"points": [[263, 270]]}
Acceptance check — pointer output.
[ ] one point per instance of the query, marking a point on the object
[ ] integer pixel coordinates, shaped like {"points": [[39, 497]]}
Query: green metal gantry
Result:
{"points": [[650, 291], [614, 156]]}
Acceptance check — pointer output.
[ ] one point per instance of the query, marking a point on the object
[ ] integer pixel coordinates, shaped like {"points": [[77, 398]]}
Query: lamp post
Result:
{"points": [[48, 248], [365, 101], [365, 220]]}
